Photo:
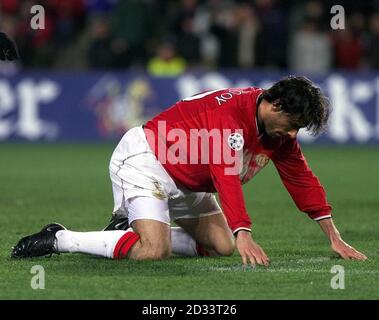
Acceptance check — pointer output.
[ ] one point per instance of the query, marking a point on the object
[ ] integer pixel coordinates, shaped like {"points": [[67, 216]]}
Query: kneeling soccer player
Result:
{"points": [[161, 174]]}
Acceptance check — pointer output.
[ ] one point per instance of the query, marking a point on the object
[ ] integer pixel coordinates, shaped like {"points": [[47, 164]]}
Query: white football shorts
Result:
{"points": [[143, 189]]}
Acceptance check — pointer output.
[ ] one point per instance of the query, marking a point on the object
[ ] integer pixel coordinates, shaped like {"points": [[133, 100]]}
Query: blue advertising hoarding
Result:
{"points": [[100, 106]]}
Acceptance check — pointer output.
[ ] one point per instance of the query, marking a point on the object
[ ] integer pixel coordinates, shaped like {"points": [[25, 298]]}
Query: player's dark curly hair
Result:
{"points": [[304, 103]]}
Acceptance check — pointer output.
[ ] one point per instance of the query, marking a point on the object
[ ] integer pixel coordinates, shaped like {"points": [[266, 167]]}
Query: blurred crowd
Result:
{"points": [[170, 37]]}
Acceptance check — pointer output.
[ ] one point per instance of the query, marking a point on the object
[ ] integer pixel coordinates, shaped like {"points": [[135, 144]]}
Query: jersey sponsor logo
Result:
{"points": [[235, 141]]}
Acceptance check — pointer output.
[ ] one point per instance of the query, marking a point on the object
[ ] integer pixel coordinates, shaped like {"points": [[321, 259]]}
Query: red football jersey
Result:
{"points": [[210, 142]]}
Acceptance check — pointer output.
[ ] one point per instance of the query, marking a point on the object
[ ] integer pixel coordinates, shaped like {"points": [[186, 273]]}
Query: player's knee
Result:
{"points": [[226, 251], [159, 254], [158, 251], [225, 247]]}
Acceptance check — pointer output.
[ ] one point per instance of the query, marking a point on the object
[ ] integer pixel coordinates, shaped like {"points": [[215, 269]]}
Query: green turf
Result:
{"points": [[70, 184]]}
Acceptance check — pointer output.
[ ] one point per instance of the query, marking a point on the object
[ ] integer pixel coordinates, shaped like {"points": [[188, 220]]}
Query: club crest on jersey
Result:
{"points": [[261, 160], [235, 141]]}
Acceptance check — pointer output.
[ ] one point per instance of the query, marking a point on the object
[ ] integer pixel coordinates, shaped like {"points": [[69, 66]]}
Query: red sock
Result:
{"points": [[201, 251], [124, 244]]}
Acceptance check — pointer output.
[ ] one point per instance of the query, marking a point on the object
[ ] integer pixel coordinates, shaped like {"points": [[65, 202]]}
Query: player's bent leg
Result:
{"points": [[154, 240], [210, 231], [150, 239], [150, 220]]}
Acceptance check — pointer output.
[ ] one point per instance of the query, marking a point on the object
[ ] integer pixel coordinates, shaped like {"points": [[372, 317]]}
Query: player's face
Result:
{"points": [[277, 123]]}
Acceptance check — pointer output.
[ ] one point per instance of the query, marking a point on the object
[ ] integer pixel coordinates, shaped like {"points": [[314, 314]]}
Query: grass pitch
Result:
{"points": [[69, 184]]}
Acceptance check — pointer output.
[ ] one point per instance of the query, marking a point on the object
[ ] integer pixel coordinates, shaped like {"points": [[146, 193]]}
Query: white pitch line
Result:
{"points": [[284, 270]]}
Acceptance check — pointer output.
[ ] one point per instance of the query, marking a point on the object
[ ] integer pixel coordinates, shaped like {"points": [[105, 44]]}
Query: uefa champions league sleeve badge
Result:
{"points": [[235, 141]]}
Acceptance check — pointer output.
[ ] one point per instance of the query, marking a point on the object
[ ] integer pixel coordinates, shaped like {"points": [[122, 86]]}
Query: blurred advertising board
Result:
{"points": [[101, 106]]}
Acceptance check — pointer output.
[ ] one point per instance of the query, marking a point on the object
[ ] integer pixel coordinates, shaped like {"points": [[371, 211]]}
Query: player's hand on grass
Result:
{"points": [[346, 251], [250, 251], [339, 246]]}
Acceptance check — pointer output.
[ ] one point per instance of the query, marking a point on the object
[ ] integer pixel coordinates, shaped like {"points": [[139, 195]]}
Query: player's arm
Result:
{"points": [[225, 176], [339, 246], [232, 202], [309, 195]]}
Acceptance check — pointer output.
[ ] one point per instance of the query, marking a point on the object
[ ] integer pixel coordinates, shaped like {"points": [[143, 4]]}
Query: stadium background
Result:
{"points": [[102, 66]]}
